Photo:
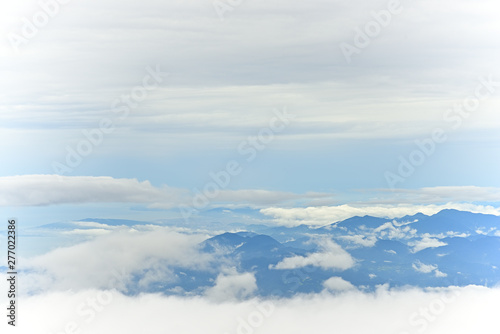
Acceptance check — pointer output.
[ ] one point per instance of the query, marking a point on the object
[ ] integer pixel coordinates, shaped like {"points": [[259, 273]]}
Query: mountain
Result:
{"points": [[91, 223], [449, 248], [360, 222], [457, 221]]}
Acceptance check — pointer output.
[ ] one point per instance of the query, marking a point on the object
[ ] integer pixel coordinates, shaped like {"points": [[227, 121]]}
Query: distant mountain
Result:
{"points": [[449, 248], [359, 222], [90, 223], [457, 221]]}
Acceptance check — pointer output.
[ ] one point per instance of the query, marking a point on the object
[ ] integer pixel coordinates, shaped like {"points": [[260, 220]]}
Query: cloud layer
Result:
{"points": [[439, 311], [38, 190], [284, 208], [110, 261], [324, 215], [263, 55], [44, 190], [289, 38]]}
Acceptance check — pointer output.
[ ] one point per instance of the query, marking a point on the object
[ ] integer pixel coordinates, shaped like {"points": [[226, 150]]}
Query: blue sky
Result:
{"points": [[186, 91]]}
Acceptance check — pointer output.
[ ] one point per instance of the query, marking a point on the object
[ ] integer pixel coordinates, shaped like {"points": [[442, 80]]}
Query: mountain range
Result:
{"points": [[448, 248]]}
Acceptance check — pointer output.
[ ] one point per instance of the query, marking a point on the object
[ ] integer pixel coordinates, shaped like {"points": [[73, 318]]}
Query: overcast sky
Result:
{"points": [[339, 92]]}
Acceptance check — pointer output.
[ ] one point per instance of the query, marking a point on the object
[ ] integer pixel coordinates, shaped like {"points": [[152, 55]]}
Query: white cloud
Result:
{"points": [[457, 234], [264, 197], [447, 194], [110, 260], [231, 285], [196, 26], [362, 240], [440, 274], [452, 310], [427, 269], [91, 232], [42, 190], [335, 284], [483, 231], [423, 268], [384, 226], [38, 190], [426, 242], [323, 215], [93, 224], [332, 256], [390, 231]]}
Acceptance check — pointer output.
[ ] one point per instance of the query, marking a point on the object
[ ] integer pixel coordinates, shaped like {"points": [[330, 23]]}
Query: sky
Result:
{"points": [[274, 105], [292, 112]]}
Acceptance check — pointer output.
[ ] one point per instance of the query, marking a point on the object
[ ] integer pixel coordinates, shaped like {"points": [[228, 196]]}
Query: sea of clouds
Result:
{"points": [[468, 310], [81, 289]]}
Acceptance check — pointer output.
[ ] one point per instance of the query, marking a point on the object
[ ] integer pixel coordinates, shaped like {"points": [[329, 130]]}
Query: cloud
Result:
{"points": [[427, 269], [483, 231], [91, 232], [47, 190], [426, 242], [231, 285], [256, 198], [44, 190], [447, 194], [93, 224], [324, 215], [332, 256], [41, 190], [440, 274], [390, 231], [261, 197], [291, 56], [423, 268], [362, 240], [335, 284], [110, 260], [435, 311]]}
